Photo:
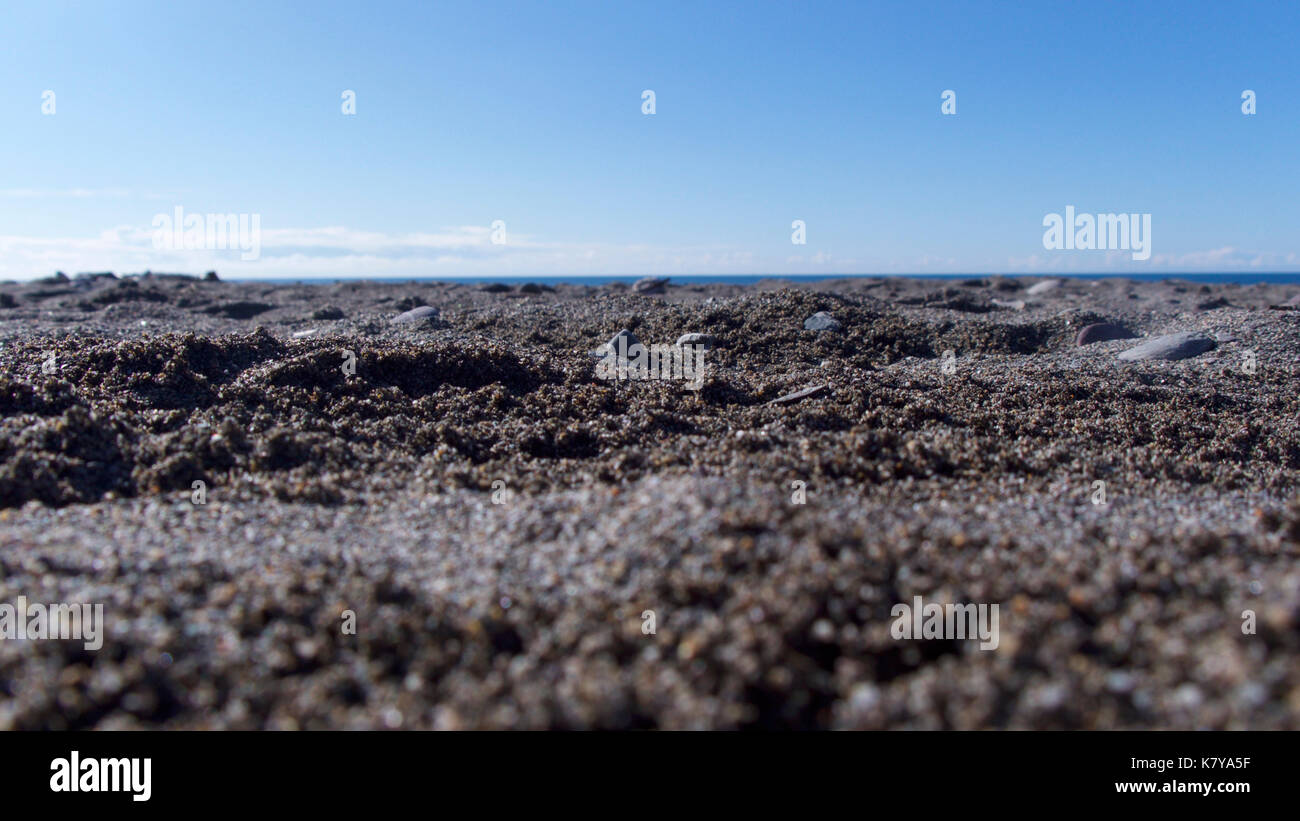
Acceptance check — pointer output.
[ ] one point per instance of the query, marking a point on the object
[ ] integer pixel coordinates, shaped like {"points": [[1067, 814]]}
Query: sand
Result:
{"points": [[962, 477]]}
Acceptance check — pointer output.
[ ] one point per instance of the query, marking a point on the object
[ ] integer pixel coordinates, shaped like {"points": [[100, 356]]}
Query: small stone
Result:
{"points": [[424, 313], [495, 288], [88, 280], [1043, 287], [1013, 304], [821, 321], [327, 312], [1174, 346], [650, 285], [615, 346], [1102, 332], [791, 398], [706, 340], [243, 309], [1188, 695]]}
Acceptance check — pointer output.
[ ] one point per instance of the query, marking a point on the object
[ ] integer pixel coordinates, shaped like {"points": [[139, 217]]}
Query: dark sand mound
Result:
{"points": [[952, 454]]}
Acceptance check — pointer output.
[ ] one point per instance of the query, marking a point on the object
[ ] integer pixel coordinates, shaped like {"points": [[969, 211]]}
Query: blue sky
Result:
{"points": [[531, 113]]}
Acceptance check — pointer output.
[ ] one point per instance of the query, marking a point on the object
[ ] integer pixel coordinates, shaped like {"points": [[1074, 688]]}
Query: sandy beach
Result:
{"points": [[498, 520]]}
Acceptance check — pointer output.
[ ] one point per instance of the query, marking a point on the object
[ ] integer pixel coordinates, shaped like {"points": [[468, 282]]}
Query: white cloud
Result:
{"points": [[336, 251], [1225, 259], [467, 251]]}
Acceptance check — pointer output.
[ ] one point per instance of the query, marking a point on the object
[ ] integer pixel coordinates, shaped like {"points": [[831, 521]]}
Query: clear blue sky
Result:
{"points": [[530, 113]]}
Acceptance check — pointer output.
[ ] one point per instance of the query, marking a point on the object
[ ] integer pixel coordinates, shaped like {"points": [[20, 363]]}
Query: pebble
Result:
{"points": [[791, 398], [821, 321], [1174, 346], [243, 309], [707, 340], [864, 697], [1013, 304], [629, 339], [650, 285], [1043, 287], [424, 313], [1102, 332]]}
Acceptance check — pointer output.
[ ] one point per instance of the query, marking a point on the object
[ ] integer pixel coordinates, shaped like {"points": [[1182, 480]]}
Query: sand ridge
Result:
{"points": [[373, 492]]}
